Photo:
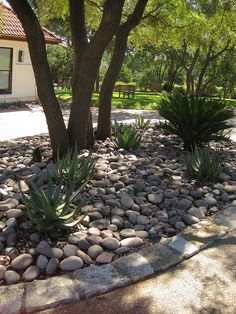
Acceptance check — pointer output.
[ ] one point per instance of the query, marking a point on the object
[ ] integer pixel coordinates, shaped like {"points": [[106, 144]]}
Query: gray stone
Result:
{"points": [[70, 250], [15, 213], [106, 233], [11, 299], [31, 273], [34, 237], [190, 220], [11, 239], [52, 266], [184, 204], [122, 250], [44, 248], [134, 265], [128, 233], [110, 243], [118, 221], [22, 261], [94, 239], [83, 244], [12, 252], [11, 202], [94, 251], [11, 222], [211, 201], [105, 258], [42, 261], [197, 212], [155, 198], [11, 277], [142, 234], [71, 263], [94, 231], [142, 220], [73, 239], [131, 242], [84, 257], [101, 223], [127, 202]]}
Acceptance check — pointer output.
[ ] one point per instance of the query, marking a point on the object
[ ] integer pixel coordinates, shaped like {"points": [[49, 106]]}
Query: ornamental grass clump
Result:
{"points": [[128, 138], [142, 124], [195, 120], [203, 165]]}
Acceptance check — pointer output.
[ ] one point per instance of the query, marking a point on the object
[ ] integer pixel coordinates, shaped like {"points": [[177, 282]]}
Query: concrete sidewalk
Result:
{"points": [[203, 284]]}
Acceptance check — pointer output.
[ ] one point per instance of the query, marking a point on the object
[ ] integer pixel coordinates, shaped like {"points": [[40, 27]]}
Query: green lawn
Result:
{"points": [[141, 100], [147, 100]]}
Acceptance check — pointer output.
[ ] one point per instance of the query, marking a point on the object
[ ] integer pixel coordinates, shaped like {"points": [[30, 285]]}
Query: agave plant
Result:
{"points": [[140, 123], [117, 127], [74, 170], [203, 165], [128, 139], [52, 209], [195, 120]]}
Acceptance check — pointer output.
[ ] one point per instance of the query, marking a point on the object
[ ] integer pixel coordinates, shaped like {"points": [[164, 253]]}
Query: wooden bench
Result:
{"points": [[124, 90]]}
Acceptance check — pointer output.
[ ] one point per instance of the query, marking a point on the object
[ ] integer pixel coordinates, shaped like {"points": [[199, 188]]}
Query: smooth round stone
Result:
{"points": [[14, 213], [106, 233], [113, 177], [142, 234], [70, 250], [94, 251], [11, 277], [11, 239], [31, 273], [197, 212], [142, 220], [95, 215], [84, 257], [2, 271], [118, 221], [12, 252], [110, 243], [190, 220], [101, 223], [128, 233], [42, 261], [52, 266], [44, 248], [112, 227], [155, 198], [230, 188], [94, 239], [184, 204], [94, 231], [122, 250], [11, 222], [71, 263], [127, 202], [154, 221], [11, 202], [214, 209], [139, 227], [162, 216], [22, 261], [4, 208], [73, 239], [105, 258], [83, 244], [34, 237], [211, 201], [131, 242], [180, 225]]}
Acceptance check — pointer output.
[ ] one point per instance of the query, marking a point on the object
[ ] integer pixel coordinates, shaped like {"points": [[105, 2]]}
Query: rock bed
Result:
{"points": [[134, 198]]}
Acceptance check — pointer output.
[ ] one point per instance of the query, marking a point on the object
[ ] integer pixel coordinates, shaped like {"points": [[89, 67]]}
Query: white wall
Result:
{"points": [[23, 81]]}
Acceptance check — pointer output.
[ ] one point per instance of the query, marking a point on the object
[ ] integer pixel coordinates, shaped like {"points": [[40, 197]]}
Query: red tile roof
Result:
{"points": [[11, 28]]}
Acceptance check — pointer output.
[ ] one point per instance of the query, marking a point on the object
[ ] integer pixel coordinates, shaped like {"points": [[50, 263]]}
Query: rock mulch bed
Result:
{"points": [[134, 198]]}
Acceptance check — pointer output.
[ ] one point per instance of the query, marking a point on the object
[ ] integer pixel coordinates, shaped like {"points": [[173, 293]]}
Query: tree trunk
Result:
{"points": [[189, 74], [56, 126], [104, 115], [97, 86], [87, 72]]}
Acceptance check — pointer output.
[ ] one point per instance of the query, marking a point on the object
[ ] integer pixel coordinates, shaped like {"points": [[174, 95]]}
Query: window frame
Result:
{"points": [[8, 90]]}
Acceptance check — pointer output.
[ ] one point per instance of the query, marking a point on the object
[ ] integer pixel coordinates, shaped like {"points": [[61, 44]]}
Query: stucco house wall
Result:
{"points": [[23, 81]]}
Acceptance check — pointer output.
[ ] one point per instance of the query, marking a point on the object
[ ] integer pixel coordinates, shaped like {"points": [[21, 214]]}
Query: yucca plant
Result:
{"points": [[52, 209], [203, 165], [195, 120], [74, 169], [128, 139], [140, 123]]}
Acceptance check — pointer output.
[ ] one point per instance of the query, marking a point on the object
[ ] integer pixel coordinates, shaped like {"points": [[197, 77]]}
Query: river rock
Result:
{"points": [[110, 243], [31, 273], [131, 242], [22, 261], [11, 277], [104, 258], [71, 263]]}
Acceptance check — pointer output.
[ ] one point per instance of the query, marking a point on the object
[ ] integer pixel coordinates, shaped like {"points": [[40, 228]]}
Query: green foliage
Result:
{"points": [[52, 209], [195, 120], [127, 138], [117, 128], [140, 123], [74, 170], [203, 165]]}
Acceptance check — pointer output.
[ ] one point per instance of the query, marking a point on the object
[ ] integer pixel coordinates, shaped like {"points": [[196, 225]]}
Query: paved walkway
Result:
{"points": [[21, 123], [204, 284]]}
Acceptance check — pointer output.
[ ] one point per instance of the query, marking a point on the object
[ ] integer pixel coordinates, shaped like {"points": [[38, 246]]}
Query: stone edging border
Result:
{"points": [[43, 294]]}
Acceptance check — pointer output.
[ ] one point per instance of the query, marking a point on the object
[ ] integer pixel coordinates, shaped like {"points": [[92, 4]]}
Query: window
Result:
{"points": [[21, 55], [5, 70]]}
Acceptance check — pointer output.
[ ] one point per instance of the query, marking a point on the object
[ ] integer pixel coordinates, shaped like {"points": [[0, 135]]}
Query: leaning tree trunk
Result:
{"points": [[189, 76], [87, 72], [37, 48], [104, 115]]}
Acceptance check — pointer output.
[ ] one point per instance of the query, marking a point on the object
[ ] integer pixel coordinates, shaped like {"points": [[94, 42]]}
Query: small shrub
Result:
{"points": [[203, 165], [117, 127], [140, 123], [128, 139], [52, 209], [195, 120]]}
